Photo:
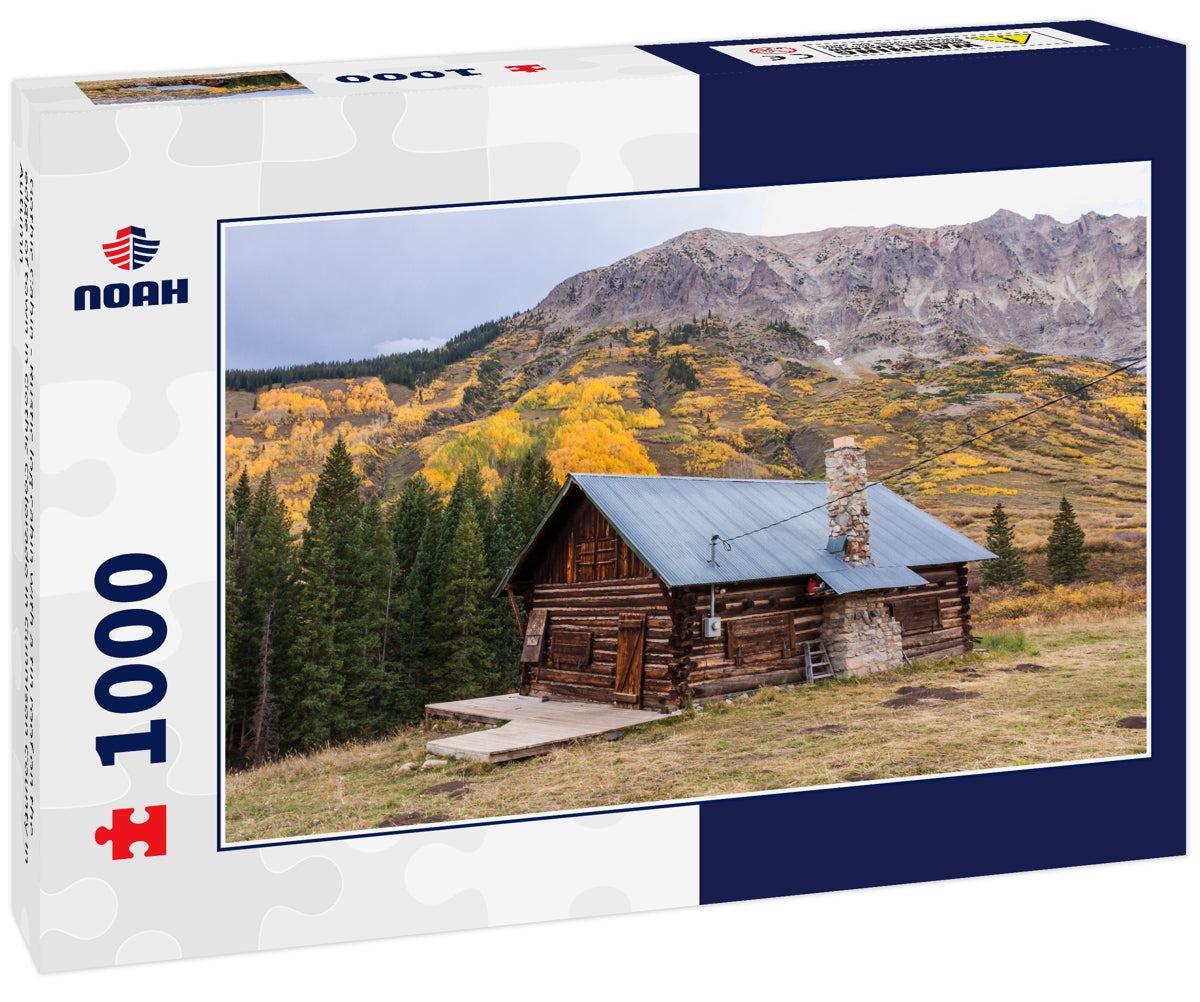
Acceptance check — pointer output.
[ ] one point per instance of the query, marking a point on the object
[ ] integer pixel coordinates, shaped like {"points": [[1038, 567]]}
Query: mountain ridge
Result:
{"points": [[1037, 284]]}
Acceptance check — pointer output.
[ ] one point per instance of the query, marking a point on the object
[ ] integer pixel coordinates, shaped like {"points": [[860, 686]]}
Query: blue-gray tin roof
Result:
{"points": [[670, 521]]}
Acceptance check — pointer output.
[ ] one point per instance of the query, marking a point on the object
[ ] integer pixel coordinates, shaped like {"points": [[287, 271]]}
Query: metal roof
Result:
{"points": [[851, 578], [669, 522]]}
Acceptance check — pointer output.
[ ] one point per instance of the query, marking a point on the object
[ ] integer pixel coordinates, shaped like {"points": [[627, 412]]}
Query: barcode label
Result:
{"points": [[797, 53]]}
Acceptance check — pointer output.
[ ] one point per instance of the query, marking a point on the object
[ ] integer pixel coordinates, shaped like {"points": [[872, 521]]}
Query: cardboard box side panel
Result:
{"points": [[26, 858], [1071, 810]]}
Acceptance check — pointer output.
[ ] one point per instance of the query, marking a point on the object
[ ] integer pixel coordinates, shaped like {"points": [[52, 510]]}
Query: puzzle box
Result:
{"points": [[599, 340]]}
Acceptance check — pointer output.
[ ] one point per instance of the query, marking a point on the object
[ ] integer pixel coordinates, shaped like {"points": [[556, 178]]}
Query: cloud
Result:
{"points": [[402, 344]]}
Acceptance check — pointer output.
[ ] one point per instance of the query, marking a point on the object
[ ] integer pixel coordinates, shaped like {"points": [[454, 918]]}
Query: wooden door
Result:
{"points": [[631, 649]]}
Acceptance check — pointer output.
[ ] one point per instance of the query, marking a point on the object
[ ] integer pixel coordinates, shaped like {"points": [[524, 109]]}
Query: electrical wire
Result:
{"points": [[728, 541]]}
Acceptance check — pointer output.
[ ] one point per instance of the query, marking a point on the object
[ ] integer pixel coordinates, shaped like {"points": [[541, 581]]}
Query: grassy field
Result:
{"points": [[1051, 690]]}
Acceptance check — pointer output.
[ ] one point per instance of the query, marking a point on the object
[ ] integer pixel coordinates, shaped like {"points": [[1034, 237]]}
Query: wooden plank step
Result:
{"points": [[534, 726]]}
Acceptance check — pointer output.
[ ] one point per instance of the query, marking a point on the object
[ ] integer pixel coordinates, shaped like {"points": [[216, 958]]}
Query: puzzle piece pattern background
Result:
{"points": [[129, 451]]}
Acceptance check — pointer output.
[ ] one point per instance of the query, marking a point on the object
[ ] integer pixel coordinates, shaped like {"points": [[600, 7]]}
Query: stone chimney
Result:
{"points": [[849, 512]]}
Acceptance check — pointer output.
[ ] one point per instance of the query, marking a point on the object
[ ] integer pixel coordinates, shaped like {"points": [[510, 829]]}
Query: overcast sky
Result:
{"points": [[355, 286]]}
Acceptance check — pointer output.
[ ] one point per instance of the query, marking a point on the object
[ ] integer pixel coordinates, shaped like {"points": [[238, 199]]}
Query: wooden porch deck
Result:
{"points": [[534, 726]]}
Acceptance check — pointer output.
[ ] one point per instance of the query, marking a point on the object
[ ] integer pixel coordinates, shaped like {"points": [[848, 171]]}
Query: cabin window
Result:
{"points": [[917, 613], [596, 559]]}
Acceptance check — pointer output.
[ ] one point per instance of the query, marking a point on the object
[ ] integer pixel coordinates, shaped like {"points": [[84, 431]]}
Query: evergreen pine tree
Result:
{"points": [[509, 535], [376, 685], [313, 710], [336, 501], [508, 540], [411, 511], [546, 485], [416, 600], [527, 495], [236, 672], [1008, 568], [241, 497], [462, 663], [334, 602], [1066, 558], [270, 587]]}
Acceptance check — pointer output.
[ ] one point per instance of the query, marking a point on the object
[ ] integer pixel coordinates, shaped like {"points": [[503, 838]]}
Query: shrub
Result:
{"points": [[1035, 602]]}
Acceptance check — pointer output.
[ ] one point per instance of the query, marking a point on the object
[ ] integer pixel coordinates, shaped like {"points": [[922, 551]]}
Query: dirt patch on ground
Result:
{"points": [[412, 818], [454, 789], [1132, 723], [911, 695], [1027, 667], [826, 729], [967, 673], [859, 777]]}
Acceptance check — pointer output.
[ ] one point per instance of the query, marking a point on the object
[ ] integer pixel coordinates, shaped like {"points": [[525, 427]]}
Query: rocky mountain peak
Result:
{"points": [[1075, 288]]}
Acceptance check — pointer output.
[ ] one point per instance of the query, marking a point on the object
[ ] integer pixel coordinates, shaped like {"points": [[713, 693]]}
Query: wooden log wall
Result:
{"points": [[951, 634], [583, 547], [758, 613], [595, 608]]}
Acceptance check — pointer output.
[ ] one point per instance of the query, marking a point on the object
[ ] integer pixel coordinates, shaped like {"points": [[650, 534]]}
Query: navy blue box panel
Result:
{"points": [[949, 114], [937, 829], [934, 114], [701, 57]]}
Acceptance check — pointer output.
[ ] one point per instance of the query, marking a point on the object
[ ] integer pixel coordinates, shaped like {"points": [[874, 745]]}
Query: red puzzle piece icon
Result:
{"points": [[124, 832]]}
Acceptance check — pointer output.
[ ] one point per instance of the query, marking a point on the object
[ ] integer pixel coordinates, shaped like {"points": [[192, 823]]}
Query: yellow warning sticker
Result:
{"points": [[814, 51], [1015, 39]]}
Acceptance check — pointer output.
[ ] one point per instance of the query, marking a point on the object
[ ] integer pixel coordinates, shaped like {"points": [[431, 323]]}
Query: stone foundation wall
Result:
{"points": [[860, 635]]}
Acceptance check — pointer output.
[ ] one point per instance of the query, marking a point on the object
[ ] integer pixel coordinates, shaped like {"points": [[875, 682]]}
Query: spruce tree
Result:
{"points": [[462, 664], [241, 497], [417, 502], [416, 601], [508, 540], [1008, 568], [237, 681], [546, 485], [1066, 557], [333, 605], [527, 495], [314, 714], [268, 611], [375, 683]]}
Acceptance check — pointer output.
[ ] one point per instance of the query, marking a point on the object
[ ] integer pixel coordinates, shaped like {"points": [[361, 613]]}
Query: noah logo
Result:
{"points": [[131, 250]]}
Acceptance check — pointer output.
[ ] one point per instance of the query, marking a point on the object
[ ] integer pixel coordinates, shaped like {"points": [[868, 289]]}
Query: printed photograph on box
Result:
{"points": [[206, 87], [561, 506]]}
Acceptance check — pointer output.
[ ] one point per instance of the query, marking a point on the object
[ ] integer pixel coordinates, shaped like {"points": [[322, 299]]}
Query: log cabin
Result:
{"points": [[648, 591]]}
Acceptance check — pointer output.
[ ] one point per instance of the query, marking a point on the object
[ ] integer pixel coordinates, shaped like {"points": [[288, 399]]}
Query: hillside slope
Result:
{"points": [[746, 356]]}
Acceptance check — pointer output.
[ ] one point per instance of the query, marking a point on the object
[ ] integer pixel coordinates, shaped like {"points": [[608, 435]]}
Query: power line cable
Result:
{"points": [[727, 542]]}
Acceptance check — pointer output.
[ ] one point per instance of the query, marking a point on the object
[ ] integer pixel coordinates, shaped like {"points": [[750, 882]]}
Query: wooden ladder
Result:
{"points": [[816, 661]]}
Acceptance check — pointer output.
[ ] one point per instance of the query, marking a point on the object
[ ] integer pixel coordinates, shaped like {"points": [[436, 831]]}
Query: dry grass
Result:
{"points": [[1094, 676], [1037, 603]]}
